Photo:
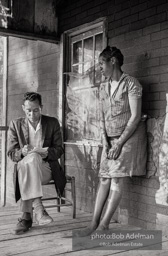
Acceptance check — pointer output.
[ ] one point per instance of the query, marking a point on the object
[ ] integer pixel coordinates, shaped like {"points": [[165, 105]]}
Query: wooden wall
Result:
{"points": [[32, 66], [36, 18]]}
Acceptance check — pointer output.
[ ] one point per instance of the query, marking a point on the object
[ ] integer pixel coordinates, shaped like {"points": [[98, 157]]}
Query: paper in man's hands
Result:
{"points": [[41, 151]]}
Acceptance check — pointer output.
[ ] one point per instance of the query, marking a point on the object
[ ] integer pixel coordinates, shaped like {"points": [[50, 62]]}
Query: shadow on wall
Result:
{"points": [[85, 167]]}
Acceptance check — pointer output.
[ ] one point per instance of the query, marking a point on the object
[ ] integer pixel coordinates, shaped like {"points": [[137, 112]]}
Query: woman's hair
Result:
{"points": [[110, 52], [32, 96]]}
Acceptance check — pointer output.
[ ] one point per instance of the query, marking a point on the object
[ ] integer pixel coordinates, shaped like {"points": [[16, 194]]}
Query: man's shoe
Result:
{"points": [[42, 218], [22, 226]]}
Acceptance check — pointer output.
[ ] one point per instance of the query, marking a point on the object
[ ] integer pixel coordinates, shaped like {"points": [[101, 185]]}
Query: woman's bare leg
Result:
{"points": [[101, 197], [113, 202]]}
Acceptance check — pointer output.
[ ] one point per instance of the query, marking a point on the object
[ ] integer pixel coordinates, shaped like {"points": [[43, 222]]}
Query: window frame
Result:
{"points": [[67, 36]]}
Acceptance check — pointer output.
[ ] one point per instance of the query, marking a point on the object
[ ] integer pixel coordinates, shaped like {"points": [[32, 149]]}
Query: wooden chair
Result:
{"points": [[63, 201]]}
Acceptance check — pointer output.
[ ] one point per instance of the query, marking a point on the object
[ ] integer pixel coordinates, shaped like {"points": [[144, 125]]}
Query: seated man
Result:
{"points": [[35, 143]]}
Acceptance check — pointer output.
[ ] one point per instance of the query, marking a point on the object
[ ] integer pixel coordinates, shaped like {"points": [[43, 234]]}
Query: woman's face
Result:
{"points": [[106, 67]]}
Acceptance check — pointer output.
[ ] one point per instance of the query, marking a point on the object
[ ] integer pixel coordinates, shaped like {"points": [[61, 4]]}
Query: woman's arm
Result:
{"points": [[135, 107], [103, 133], [102, 125]]}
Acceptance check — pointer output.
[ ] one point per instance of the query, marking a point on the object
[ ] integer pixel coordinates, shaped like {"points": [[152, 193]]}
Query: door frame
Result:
{"points": [[4, 127]]}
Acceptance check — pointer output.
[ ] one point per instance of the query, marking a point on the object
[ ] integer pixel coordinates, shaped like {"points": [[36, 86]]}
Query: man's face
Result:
{"points": [[32, 110]]}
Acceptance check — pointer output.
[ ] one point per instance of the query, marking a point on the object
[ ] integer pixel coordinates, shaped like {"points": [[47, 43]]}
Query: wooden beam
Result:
{"points": [[29, 36], [4, 127]]}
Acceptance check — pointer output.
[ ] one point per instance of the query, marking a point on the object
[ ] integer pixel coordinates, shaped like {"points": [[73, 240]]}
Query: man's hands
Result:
{"points": [[44, 155], [26, 149]]}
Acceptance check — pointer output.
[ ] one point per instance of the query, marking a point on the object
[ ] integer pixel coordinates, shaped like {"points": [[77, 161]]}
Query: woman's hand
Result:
{"points": [[105, 150], [115, 151]]}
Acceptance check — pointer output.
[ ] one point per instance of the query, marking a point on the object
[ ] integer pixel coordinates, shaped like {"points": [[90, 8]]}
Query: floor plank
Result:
{"points": [[56, 238]]}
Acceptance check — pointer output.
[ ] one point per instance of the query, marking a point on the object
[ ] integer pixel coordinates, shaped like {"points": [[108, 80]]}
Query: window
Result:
{"points": [[82, 86]]}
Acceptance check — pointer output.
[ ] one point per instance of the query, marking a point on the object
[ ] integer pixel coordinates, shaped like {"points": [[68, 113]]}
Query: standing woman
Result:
{"points": [[124, 136]]}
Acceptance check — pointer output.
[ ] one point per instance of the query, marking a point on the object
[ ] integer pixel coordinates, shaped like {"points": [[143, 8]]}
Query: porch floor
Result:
{"points": [[56, 238]]}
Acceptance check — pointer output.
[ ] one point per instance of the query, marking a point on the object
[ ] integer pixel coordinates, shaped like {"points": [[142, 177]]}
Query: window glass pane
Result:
{"points": [[77, 52], [88, 53], [77, 57], [98, 50], [77, 68], [82, 111], [98, 46]]}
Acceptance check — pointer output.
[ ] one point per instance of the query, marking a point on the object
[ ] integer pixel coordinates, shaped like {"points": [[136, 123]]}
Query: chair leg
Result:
{"points": [[58, 202], [61, 201], [73, 197]]}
